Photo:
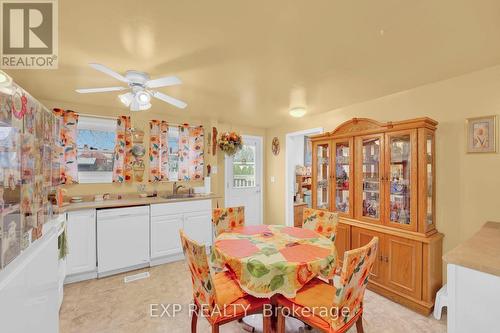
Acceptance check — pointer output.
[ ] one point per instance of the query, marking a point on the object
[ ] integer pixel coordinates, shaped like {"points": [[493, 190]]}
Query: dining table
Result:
{"points": [[268, 260]]}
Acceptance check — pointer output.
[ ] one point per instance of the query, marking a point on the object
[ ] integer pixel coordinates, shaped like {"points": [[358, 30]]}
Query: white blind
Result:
{"points": [[96, 124]]}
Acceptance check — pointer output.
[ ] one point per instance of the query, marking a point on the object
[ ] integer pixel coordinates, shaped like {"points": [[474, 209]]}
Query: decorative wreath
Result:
{"points": [[230, 143]]}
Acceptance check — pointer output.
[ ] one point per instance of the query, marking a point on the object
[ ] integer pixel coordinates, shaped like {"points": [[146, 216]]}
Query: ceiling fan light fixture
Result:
{"points": [[143, 97], [126, 99], [297, 112], [145, 107], [140, 85]]}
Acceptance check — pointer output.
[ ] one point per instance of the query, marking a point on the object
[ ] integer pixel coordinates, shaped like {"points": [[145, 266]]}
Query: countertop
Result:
{"points": [[129, 201], [481, 252]]}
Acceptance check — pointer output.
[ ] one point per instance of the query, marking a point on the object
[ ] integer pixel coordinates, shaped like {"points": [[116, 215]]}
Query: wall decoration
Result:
{"points": [[30, 135], [482, 134], [214, 141], [5, 107], [29, 117], [19, 102], [230, 143], [275, 146], [209, 143], [11, 236]]}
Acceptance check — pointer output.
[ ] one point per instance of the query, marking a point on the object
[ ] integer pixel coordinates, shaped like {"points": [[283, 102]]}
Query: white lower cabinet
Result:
{"points": [[198, 226], [81, 258], [166, 221], [165, 239]]}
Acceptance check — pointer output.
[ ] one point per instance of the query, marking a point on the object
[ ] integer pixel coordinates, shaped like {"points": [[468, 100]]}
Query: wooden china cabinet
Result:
{"points": [[380, 178]]}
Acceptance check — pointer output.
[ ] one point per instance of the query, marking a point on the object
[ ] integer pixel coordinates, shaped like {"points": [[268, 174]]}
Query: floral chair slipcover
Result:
{"points": [[323, 222], [346, 292], [217, 295], [225, 219]]}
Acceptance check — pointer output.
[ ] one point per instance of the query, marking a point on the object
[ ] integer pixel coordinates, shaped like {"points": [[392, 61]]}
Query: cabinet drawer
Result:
{"points": [[181, 207], [123, 212]]}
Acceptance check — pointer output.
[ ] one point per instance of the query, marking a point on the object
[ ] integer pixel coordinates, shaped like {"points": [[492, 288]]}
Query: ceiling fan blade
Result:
{"points": [[174, 101], [108, 71], [163, 82], [97, 90]]}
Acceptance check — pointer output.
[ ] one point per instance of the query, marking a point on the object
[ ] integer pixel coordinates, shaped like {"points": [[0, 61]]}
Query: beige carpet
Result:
{"points": [[110, 305]]}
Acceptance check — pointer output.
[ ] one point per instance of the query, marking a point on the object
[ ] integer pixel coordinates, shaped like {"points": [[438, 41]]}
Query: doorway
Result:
{"points": [[243, 178], [295, 155]]}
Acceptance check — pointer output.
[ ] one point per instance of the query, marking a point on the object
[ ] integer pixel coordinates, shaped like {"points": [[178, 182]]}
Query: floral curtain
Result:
{"points": [[196, 149], [158, 150], [67, 145], [184, 152], [122, 166]]}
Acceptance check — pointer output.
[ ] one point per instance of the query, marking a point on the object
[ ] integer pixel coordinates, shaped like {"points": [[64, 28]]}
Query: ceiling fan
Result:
{"points": [[140, 84]]}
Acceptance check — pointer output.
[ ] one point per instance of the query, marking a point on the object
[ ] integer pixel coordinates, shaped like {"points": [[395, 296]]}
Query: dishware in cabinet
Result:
{"points": [[321, 174], [343, 189], [401, 179], [370, 178]]}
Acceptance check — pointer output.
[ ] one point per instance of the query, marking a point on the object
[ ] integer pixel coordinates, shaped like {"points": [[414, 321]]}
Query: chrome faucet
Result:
{"points": [[176, 188]]}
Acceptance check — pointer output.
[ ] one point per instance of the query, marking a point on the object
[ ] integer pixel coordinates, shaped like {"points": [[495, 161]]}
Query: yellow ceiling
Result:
{"points": [[244, 61]]}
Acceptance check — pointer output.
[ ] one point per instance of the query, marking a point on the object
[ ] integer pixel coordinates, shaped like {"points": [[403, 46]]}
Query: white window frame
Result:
{"points": [[100, 124]]}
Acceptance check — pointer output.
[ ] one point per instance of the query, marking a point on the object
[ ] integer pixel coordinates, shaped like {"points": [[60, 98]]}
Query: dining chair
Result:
{"points": [[323, 222], [217, 297], [333, 307], [225, 219]]}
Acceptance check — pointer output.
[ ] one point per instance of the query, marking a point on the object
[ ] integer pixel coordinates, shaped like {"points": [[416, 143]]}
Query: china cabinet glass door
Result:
{"points": [[369, 186], [321, 174], [426, 180], [343, 189], [401, 157]]}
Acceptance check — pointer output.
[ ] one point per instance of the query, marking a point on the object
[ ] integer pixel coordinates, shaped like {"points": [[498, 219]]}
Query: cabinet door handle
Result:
{"points": [[386, 259], [381, 258]]}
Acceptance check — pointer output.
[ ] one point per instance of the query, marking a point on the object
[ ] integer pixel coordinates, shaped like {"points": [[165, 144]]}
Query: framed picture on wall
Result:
{"points": [[482, 134]]}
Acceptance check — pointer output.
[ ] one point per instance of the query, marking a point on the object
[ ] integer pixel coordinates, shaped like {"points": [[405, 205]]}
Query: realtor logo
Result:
{"points": [[29, 36]]}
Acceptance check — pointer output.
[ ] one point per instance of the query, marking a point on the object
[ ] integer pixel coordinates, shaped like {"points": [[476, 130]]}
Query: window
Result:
{"points": [[244, 167], [96, 143], [173, 152]]}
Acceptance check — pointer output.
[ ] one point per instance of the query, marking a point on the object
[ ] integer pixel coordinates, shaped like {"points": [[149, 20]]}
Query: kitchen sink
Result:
{"points": [[179, 196]]}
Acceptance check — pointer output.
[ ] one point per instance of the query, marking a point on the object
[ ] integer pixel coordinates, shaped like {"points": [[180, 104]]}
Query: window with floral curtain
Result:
{"points": [[175, 152], [122, 166], [67, 145]]}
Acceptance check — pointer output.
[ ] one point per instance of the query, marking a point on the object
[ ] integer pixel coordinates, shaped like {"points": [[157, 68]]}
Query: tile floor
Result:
{"points": [[109, 305]]}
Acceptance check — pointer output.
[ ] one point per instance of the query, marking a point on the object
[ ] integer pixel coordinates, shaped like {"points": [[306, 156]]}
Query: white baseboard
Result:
{"points": [[122, 270], [166, 259], [80, 277]]}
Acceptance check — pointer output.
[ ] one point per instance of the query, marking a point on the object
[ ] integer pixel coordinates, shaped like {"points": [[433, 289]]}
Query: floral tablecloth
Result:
{"points": [[269, 260]]}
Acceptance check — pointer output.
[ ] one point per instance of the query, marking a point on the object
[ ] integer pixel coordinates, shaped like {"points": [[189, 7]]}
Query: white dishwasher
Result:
{"points": [[122, 239]]}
